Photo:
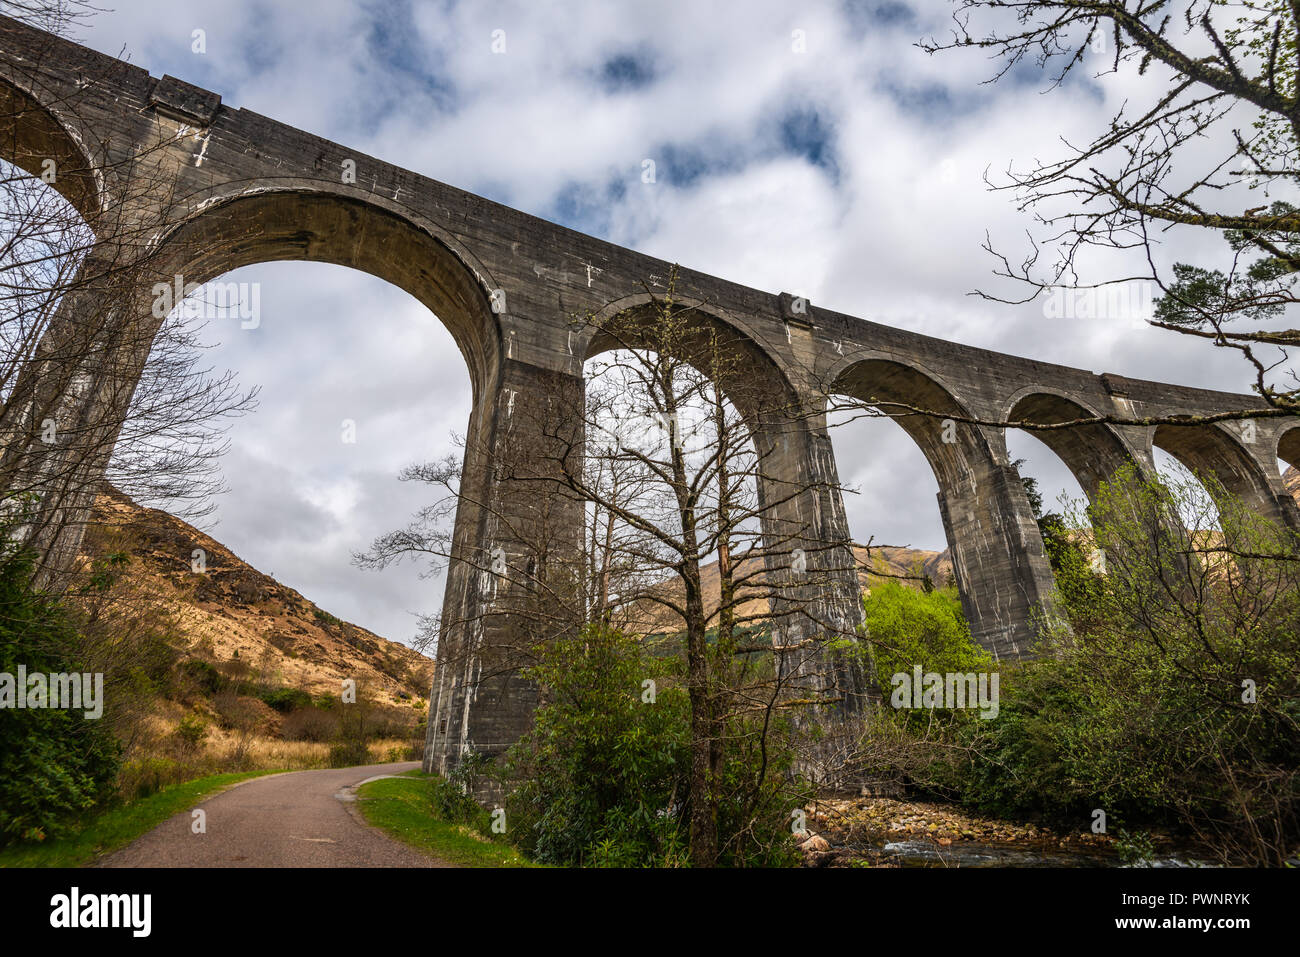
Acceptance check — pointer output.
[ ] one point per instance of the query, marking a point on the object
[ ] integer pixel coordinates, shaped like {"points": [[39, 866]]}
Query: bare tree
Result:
{"points": [[61, 17], [688, 539], [1209, 142]]}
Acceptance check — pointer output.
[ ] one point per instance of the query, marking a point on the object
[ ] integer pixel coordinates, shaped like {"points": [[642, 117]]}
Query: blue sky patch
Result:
{"points": [[625, 72], [806, 132]]}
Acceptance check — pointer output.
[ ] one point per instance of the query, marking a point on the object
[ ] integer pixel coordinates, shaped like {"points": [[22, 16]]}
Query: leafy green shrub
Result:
{"points": [[54, 762], [191, 731], [205, 675], [908, 628], [601, 766], [614, 850], [602, 777], [286, 700], [1134, 847], [1175, 695], [452, 802]]}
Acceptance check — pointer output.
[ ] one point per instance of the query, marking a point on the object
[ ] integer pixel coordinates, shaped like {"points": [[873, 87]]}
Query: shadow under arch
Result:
{"points": [[1211, 450], [288, 225], [1288, 446], [1092, 453], [31, 135], [752, 379]]}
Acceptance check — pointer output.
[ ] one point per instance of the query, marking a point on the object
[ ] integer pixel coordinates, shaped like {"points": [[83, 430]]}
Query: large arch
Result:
{"points": [[261, 225], [1215, 451], [269, 225], [997, 551], [797, 486], [894, 388], [40, 135], [1288, 445], [753, 377], [31, 135], [1093, 453]]}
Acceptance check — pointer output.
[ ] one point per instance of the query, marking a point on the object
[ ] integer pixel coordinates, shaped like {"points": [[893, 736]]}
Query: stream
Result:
{"points": [[924, 853], [887, 832]]}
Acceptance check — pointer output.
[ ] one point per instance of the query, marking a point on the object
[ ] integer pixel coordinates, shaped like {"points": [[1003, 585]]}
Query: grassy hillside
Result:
{"points": [[242, 671]]}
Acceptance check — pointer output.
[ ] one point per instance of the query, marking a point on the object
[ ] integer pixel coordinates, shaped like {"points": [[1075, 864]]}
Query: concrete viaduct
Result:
{"points": [[229, 187]]}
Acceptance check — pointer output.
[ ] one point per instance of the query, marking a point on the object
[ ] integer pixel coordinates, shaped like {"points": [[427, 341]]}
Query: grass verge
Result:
{"points": [[116, 827], [400, 807]]}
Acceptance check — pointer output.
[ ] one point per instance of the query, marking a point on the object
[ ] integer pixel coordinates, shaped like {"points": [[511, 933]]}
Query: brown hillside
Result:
{"points": [[233, 612]]}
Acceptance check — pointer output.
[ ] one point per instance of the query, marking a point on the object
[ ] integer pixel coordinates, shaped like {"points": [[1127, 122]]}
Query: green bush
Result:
{"points": [[602, 777], [205, 675], [54, 762], [908, 627], [1173, 695], [452, 796], [286, 700], [1165, 692], [601, 768], [191, 731]]}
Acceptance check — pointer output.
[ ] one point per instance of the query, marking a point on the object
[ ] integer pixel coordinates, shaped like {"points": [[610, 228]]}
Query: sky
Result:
{"points": [[809, 148]]}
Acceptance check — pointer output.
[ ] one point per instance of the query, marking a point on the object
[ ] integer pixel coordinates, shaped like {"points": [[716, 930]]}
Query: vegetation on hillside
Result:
{"points": [[55, 763], [173, 708], [1168, 697]]}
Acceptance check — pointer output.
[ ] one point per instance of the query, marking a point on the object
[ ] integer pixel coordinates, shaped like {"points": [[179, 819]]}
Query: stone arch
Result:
{"points": [[31, 133], [997, 551], [779, 425], [797, 488], [758, 381], [309, 225], [1092, 453], [1214, 450], [259, 224], [1288, 445], [892, 386]]}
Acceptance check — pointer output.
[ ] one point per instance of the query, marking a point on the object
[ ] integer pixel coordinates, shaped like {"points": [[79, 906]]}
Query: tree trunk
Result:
{"points": [[704, 822]]}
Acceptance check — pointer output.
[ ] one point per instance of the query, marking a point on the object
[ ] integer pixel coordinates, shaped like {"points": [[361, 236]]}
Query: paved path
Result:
{"points": [[300, 819]]}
